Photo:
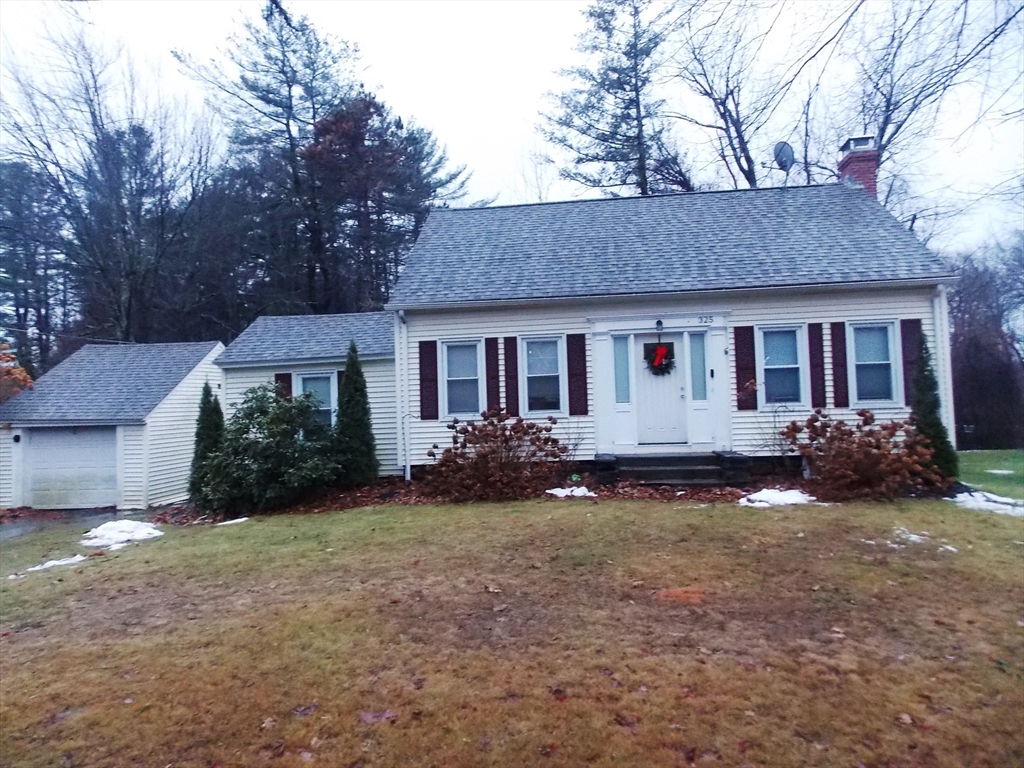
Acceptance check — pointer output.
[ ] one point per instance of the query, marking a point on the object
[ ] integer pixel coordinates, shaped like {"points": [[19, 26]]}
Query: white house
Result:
{"points": [[306, 353], [668, 325], [113, 425]]}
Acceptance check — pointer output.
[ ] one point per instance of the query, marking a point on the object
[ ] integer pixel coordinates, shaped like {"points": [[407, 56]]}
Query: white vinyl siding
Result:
{"points": [[753, 432], [6, 468], [171, 431], [380, 390], [132, 464], [529, 323]]}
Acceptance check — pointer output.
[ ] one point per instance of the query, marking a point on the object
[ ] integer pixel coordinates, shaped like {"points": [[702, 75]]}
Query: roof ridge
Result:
{"points": [[640, 197]]}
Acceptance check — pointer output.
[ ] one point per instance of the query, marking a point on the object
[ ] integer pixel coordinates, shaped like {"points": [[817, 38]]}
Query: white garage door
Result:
{"points": [[71, 467]]}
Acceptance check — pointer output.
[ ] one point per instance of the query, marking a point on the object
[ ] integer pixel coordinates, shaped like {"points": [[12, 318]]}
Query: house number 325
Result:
{"points": [[705, 319]]}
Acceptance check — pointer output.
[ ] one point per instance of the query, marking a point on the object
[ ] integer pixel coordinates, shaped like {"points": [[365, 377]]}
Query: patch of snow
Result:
{"points": [[232, 522], [999, 471], [119, 533], [55, 563], [868, 541], [773, 497], [948, 548], [913, 538], [989, 502], [579, 492]]}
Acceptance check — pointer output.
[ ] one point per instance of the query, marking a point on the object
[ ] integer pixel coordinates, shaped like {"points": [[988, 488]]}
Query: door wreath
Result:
{"points": [[660, 357]]}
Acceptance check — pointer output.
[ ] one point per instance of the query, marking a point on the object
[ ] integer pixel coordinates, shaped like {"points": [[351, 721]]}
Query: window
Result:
{"points": [[621, 351], [462, 377], [543, 382], [873, 362], [698, 367], [781, 366], [320, 388]]}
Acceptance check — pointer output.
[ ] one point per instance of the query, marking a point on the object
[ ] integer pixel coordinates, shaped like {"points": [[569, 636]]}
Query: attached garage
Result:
{"points": [[111, 426]]}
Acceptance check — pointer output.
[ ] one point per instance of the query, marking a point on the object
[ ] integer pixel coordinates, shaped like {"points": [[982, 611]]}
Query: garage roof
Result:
{"points": [[106, 384]]}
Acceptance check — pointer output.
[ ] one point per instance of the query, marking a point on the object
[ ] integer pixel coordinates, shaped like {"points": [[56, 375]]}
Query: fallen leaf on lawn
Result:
{"points": [[371, 718], [906, 719], [492, 590], [309, 709], [627, 722], [268, 724], [271, 750], [558, 693], [307, 757], [418, 683], [500, 608], [548, 749]]}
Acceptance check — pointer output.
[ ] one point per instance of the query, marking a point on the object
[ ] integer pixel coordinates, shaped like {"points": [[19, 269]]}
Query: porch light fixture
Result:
{"points": [[659, 326]]}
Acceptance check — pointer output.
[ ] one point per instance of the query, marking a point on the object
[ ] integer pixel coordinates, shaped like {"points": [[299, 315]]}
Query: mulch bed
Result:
{"points": [[394, 490]]}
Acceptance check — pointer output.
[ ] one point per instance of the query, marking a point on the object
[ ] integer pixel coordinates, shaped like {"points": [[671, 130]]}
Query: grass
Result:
{"points": [[811, 646], [974, 466]]}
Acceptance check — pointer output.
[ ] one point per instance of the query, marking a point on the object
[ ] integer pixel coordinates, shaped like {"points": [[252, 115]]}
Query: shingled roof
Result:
{"points": [[273, 340], [759, 238], [106, 384]]}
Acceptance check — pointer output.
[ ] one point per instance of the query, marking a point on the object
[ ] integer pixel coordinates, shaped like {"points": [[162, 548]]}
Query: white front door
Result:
{"points": [[661, 398]]}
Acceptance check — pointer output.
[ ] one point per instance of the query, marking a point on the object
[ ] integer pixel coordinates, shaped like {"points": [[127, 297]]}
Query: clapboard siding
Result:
{"points": [[171, 430], [131, 448], [756, 432], [576, 431], [380, 389], [752, 432], [6, 468]]}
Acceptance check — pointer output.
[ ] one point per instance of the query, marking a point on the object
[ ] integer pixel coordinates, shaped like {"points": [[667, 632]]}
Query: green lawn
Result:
{"points": [[597, 633], [974, 466]]}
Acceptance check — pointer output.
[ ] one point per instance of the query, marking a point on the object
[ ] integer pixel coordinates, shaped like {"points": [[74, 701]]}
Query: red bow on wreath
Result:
{"points": [[659, 357]]}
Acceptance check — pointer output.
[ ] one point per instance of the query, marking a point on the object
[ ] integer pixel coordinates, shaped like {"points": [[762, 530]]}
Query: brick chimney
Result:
{"points": [[859, 163]]}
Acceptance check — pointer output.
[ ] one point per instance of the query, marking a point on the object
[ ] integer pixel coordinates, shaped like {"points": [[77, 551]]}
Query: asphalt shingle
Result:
{"points": [[311, 338], [826, 234], [106, 384]]}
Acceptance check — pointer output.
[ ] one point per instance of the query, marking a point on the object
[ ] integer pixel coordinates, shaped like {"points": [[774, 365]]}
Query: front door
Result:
{"points": [[661, 390]]}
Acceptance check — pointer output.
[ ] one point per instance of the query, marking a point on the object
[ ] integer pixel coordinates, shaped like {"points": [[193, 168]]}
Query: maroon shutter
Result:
{"points": [[493, 377], [840, 378], [511, 345], [284, 384], [910, 338], [576, 354], [746, 368], [341, 381], [428, 380], [816, 349]]}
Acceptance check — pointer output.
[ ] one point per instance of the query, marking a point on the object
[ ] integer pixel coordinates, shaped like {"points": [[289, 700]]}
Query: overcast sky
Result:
{"points": [[476, 75]]}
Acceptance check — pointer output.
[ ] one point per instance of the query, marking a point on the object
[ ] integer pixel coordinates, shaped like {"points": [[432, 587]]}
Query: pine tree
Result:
{"points": [[925, 406], [609, 124], [354, 430], [209, 435]]}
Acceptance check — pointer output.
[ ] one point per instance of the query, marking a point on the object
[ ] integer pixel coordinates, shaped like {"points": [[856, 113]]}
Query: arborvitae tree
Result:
{"points": [[209, 436], [926, 409], [354, 430]]}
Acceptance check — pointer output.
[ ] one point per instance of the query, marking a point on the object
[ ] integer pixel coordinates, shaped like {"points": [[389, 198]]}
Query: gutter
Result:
{"points": [[296, 361], [921, 282]]}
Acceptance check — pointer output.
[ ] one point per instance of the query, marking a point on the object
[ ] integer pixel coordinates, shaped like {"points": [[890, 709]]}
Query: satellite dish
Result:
{"points": [[784, 156]]}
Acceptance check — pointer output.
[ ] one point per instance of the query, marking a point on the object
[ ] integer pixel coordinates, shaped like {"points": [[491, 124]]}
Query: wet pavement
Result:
{"points": [[72, 519]]}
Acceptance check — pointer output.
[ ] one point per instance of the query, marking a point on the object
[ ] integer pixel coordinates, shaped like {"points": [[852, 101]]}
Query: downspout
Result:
{"points": [[401, 360]]}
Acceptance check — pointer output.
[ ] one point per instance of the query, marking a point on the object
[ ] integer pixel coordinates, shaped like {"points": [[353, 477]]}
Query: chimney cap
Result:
{"points": [[858, 143]]}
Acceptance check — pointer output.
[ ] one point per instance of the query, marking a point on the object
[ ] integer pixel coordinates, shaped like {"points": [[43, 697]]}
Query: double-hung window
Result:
{"points": [[543, 375], [462, 378], [319, 387], [873, 364], [781, 365]]}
